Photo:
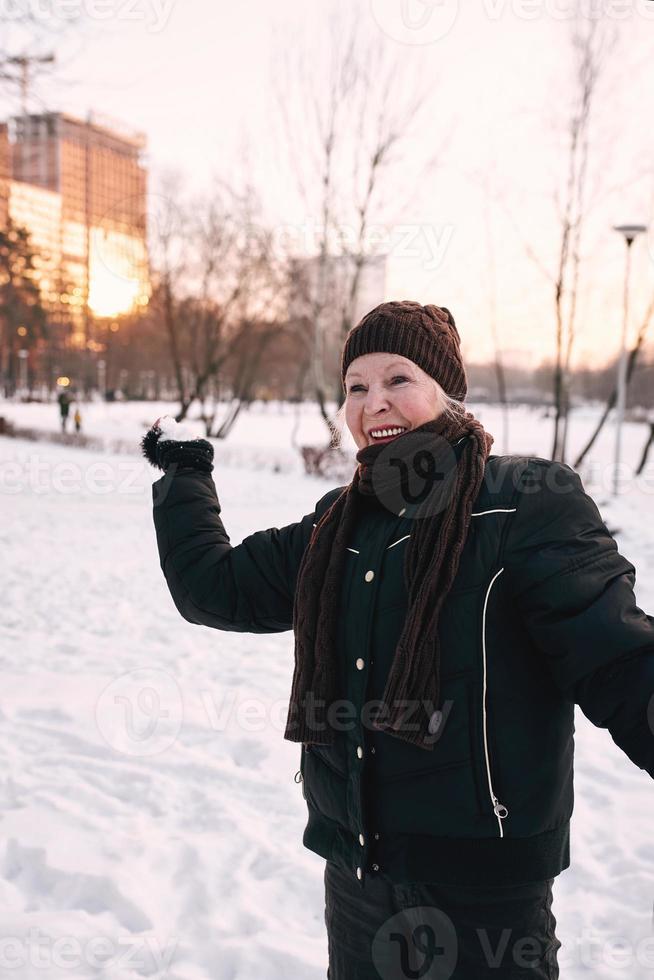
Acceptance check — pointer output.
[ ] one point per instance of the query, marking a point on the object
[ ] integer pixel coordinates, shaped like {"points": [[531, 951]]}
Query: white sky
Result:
{"points": [[197, 77]]}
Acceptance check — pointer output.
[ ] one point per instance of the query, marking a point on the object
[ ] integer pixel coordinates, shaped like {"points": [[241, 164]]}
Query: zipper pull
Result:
{"points": [[300, 780], [498, 808]]}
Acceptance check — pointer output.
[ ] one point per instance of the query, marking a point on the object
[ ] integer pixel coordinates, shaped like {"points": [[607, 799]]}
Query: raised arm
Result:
{"points": [[248, 588], [574, 593]]}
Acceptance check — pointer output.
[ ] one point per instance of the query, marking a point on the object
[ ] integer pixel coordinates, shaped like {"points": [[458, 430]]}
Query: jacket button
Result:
{"points": [[359, 874], [360, 664], [359, 751], [375, 867], [373, 750], [376, 836], [369, 576], [362, 839]]}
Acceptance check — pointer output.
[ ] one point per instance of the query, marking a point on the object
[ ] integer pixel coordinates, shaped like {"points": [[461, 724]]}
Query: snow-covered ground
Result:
{"points": [[150, 825]]}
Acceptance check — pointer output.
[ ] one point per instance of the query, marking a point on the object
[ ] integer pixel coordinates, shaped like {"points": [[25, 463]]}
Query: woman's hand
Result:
{"points": [[164, 444]]}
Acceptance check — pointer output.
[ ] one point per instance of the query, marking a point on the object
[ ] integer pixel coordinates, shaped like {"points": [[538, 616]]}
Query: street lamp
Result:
{"points": [[629, 232]]}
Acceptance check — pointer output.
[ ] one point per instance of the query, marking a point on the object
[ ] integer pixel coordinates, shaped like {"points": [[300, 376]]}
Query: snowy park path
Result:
{"points": [[149, 821]]}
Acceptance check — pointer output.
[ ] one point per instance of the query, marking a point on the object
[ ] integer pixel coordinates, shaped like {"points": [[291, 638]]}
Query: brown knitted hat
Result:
{"points": [[426, 335]]}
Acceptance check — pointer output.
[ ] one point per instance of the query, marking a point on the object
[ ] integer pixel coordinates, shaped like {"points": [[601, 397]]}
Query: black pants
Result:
{"points": [[438, 932]]}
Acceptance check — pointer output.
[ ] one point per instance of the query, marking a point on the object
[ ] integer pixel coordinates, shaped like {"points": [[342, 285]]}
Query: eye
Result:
{"points": [[397, 378]]}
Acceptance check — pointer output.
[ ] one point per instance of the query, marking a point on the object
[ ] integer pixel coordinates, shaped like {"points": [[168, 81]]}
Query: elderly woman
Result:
{"points": [[449, 608]]}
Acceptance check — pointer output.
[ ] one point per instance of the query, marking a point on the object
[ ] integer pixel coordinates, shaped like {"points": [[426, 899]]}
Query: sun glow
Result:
{"points": [[117, 275]]}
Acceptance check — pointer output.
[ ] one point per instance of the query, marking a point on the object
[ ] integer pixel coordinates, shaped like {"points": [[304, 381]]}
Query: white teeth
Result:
{"points": [[384, 433]]}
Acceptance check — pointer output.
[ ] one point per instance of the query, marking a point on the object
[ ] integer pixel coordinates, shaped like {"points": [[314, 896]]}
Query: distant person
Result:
{"points": [[64, 400], [450, 607], [77, 418]]}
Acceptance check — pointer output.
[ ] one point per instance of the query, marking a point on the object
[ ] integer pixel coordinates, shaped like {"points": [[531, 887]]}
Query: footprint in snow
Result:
{"points": [[247, 753], [46, 887]]}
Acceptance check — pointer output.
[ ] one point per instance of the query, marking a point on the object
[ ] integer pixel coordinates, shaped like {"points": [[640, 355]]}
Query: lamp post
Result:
{"points": [[23, 385], [629, 232]]}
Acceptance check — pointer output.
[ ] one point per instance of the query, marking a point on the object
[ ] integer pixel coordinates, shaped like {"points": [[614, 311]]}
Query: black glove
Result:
{"points": [[196, 454]]}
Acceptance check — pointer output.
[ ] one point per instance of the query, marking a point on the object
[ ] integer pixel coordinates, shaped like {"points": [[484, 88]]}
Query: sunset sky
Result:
{"points": [[200, 78]]}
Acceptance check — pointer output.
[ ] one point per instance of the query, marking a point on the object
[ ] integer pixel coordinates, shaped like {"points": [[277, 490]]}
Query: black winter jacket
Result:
{"points": [[541, 616]]}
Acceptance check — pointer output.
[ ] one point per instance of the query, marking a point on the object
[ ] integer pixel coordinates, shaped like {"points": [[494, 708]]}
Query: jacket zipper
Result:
{"points": [[499, 809]]}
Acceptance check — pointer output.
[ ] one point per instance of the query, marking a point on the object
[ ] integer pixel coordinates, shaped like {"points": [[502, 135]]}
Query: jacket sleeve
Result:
{"points": [[574, 593], [248, 588]]}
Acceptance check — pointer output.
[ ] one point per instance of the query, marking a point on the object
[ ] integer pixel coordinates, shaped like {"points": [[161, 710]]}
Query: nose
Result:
{"points": [[377, 401]]}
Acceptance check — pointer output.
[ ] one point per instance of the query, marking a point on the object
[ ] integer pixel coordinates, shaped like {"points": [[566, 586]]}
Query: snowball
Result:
{"points": [[170, 429]]}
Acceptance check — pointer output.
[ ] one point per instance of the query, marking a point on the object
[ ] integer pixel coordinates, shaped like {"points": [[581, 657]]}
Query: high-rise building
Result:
{"points": [[98, 174]]}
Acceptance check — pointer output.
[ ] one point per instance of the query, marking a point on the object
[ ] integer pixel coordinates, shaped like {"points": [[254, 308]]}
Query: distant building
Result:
{"points": [[39, 211], [89, 177], [339, 273]]}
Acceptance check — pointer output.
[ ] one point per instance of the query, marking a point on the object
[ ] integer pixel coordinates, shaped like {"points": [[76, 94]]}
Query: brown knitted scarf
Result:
{"points": [[412, 692]]}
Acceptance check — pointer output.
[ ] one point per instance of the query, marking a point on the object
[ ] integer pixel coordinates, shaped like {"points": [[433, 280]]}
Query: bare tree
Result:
{"points": [[649, 442], [613, 397], [592, 43], [591, 46], [354, 125], [217, 282]]}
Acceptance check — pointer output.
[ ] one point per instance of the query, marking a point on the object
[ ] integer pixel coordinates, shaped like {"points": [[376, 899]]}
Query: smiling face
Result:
{"points": [[387, 391]]}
